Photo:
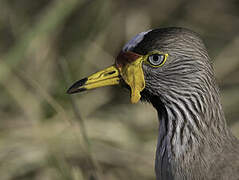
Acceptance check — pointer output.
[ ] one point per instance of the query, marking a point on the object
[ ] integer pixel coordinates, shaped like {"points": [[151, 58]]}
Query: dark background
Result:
{"points": [[47, 45]]}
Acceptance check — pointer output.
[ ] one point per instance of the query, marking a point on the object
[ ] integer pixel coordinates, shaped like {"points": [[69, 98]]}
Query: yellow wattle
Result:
{"points": [[133, 75]]}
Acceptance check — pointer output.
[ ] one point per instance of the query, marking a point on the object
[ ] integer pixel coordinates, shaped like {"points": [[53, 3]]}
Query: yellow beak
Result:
{"points": [[106, 77], [131, 73]]}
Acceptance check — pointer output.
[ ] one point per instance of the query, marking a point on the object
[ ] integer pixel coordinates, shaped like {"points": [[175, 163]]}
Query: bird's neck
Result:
{"points": [[188, 130]]}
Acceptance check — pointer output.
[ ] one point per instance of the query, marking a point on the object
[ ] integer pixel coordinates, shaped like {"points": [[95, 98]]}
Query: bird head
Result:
{"points": [[154, 63]]}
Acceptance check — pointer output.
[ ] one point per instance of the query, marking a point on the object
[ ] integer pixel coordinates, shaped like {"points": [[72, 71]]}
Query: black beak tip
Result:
{"points": [[76, 87], [69, 91]]}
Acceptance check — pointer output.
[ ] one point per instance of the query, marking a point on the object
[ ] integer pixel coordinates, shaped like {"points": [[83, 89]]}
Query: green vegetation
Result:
{"points": [[46, 45]]}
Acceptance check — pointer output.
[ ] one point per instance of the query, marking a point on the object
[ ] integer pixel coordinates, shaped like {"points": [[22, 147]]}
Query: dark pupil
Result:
{"points": [[156, 58]]}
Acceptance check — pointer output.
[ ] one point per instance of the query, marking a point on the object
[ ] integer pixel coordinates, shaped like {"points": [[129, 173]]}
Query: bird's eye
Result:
{"points": [[157, 59]]}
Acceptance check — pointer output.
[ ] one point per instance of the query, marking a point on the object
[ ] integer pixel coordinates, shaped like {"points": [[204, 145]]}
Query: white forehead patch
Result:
{"points": [[134, 41]]}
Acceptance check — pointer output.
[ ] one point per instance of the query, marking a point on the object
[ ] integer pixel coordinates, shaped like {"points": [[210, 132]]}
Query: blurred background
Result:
{"points": [[45, 46]]}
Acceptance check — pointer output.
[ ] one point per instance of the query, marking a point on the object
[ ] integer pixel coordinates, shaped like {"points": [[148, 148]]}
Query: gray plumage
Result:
{"points": [[194, 140]]}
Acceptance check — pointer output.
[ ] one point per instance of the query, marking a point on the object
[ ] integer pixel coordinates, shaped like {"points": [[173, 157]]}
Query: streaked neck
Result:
{"points": [[188, 125]]}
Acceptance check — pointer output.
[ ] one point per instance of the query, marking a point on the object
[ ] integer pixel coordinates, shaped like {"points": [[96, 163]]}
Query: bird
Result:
{"points": [[171, 69]]}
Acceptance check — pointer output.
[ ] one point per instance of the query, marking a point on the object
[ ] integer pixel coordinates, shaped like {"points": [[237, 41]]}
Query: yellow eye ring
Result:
{"points": [[156, 58]]}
